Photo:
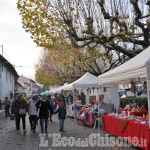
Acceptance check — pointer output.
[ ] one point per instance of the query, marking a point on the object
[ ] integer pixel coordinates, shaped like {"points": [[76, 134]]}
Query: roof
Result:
{"points": [[86, 81], [133, 69], [8, 65], [31, 80], [27, 83], [20, 84]]}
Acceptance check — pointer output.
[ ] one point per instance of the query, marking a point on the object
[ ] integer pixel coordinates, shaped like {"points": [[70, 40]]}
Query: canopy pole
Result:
{"points": [[73, 95], [73, 104], [98, 111], [148, 88]]}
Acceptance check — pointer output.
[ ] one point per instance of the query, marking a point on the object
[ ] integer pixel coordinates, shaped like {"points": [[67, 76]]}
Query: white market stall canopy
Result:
{"points": [[132, 69], [86, 81], [59, 89]]}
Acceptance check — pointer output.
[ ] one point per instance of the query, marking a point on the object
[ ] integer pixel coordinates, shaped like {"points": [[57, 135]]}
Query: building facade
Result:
{"points": [[28, 84], [8, 79]]}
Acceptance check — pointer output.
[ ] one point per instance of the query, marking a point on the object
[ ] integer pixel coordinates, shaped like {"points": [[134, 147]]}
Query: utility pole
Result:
{"points": [[2, 49]]}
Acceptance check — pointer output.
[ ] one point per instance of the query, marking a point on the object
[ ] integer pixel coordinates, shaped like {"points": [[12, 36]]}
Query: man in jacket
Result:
{"points": [[44, 107], [51, 104], [7, 106]]}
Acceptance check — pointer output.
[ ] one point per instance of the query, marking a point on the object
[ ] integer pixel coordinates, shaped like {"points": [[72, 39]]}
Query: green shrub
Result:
{"points": [[139, 102]]}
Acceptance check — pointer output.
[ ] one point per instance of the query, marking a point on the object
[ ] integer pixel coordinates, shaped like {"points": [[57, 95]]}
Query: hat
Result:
{"points": [[44, 95], [35, 95]]}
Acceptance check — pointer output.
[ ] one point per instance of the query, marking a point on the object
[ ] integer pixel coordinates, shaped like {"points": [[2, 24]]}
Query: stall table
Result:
{"points": [[71, 108], [127, 128], [69, 111], [136, 113], [86, 116]]}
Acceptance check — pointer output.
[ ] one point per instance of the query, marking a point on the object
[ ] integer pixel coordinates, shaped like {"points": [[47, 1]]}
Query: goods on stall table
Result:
{"points": [[136, 113], [128, 126], [86, 115]]}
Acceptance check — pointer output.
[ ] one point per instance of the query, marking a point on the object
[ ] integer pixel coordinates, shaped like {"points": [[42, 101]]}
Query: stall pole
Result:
{"points": [[73, 105], [98, 111], [73, 95], [148, 87]]}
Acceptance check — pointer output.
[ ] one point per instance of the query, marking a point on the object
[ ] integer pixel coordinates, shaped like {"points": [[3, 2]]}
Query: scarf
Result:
{"points": [[44, 100]]}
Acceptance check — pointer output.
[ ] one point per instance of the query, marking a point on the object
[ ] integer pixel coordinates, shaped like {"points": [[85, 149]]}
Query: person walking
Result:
{"points": [[51, 104], [61, 115], [7, 106], [0, 104], [33, 112], [20, 108], [44, 107]]}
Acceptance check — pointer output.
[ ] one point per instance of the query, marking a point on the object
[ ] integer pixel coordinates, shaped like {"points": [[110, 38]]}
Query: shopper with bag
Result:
{"points": [[20, 108], [33, 111], [44, 107]]}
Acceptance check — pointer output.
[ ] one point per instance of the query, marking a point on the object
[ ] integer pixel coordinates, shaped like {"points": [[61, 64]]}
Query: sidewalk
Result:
{"points": [[11, 140], [1, 111]]}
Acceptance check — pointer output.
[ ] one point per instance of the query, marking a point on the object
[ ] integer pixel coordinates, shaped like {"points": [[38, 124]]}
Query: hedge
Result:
{"points": [[139, 102]]}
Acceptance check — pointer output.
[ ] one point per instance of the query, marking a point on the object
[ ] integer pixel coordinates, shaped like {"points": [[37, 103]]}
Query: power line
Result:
{"points": [[23, 66]]}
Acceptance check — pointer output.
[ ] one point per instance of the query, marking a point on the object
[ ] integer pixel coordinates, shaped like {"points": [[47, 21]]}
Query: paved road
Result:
{"points": [[1, 111], [11, 140]]}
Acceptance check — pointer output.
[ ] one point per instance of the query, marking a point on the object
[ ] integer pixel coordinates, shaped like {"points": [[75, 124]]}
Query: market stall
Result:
{"points": [[86, 81], [86, 116], [130, 130], [126, 125]]}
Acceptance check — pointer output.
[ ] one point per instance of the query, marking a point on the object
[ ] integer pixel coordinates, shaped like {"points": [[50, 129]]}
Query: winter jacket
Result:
{"points": [[32, 107], [44, 109], [17, 105], [7, 103], [61, 112]]}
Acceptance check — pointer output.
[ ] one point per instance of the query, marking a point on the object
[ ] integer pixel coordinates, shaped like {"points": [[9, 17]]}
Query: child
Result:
{"points": [[61, 115]]}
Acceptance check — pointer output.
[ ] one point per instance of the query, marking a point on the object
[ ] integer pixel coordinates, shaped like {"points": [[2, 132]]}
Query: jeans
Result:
{"points": [[42, 124], [33, 121], [23, 122], [61, 123], [7, 113]]}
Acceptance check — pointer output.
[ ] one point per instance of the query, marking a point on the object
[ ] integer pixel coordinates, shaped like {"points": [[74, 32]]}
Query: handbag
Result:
{"points": [[22, 111], [38, 111], [12, 117]]}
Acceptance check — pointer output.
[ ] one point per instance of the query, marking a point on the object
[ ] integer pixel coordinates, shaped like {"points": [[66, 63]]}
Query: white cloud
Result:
{"points": [[18, 45]]}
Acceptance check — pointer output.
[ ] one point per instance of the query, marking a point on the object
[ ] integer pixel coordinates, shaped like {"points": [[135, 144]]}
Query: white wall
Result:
{"points": [[88, 94], [7, 82], [110, 96]]}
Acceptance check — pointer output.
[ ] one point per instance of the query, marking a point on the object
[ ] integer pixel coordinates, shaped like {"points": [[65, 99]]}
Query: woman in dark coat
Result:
{"points": [[19, 108]]}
